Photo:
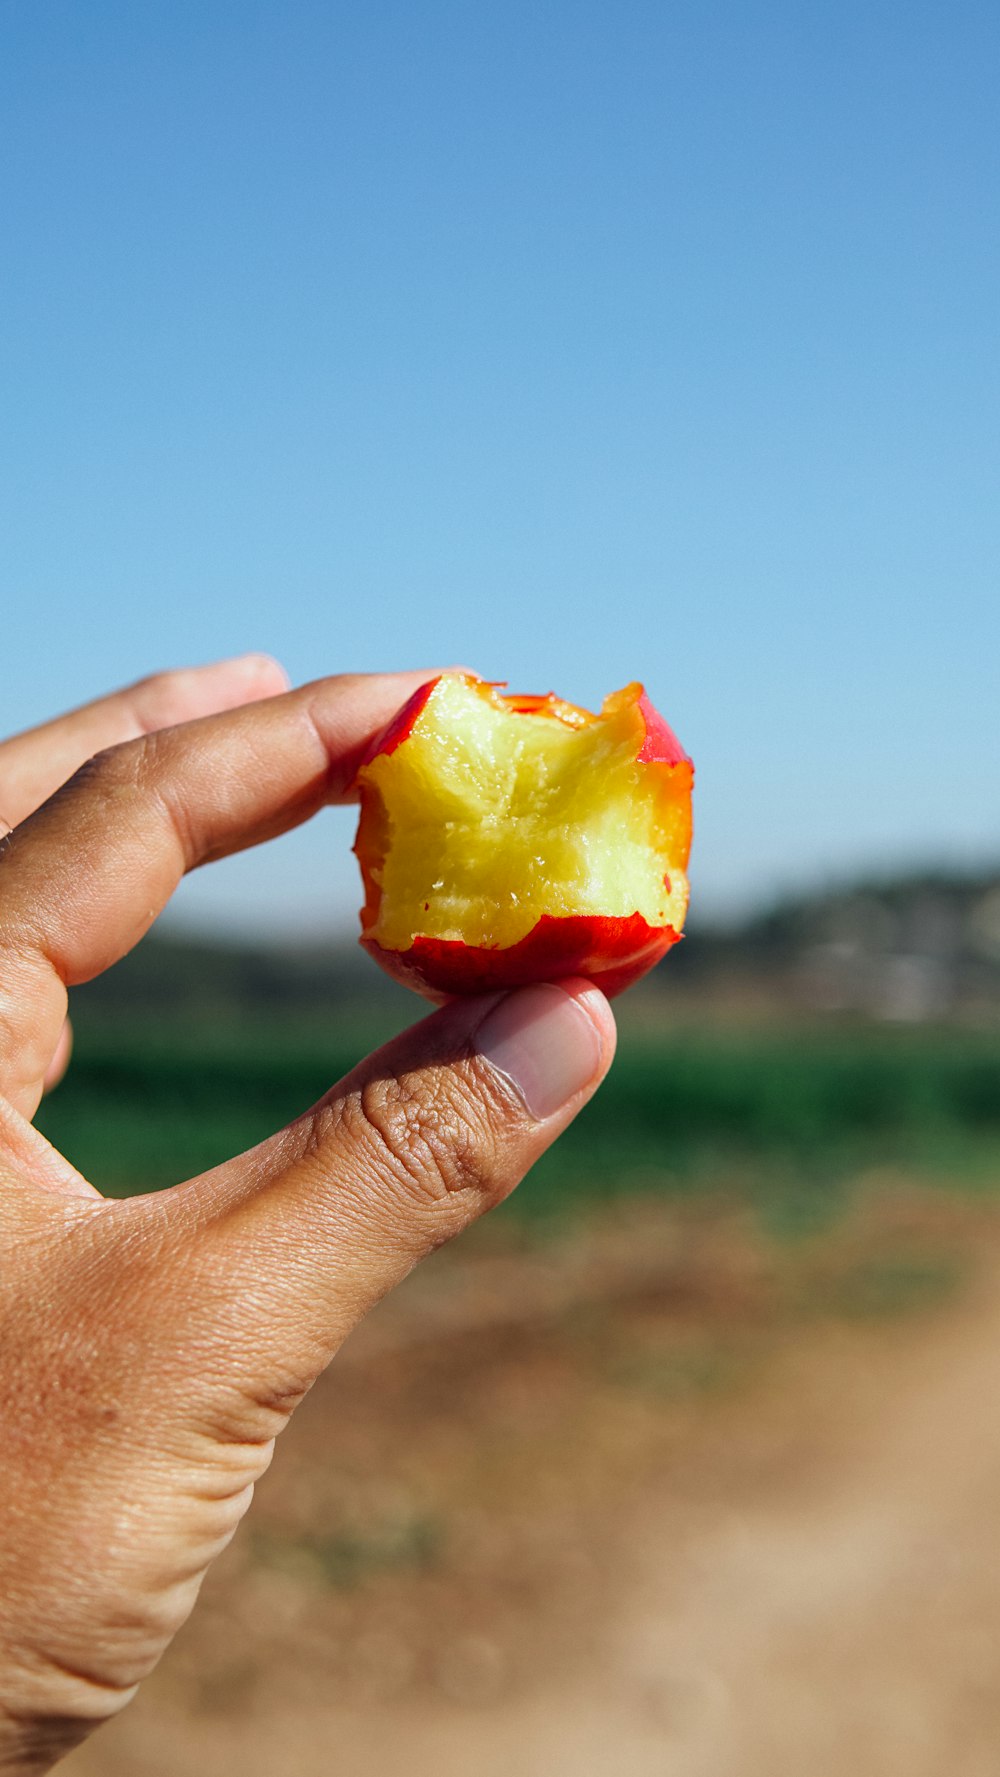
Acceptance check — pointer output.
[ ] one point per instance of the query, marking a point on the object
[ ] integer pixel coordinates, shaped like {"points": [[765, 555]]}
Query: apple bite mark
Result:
{"points": [[507, 839]]}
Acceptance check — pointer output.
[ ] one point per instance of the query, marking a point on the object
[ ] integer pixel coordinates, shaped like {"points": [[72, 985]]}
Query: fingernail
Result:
{"points": [[545, 1043]]}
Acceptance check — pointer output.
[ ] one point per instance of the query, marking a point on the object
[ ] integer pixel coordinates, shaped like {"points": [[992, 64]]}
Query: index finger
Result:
{"points": [[83, 878]]}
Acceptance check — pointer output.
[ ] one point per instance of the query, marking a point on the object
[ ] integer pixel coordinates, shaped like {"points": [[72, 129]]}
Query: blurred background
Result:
{"points": [[578, 344]]}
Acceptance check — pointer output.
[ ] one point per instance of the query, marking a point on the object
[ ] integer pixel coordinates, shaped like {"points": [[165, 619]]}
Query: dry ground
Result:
{"points": [[658, 1499]]}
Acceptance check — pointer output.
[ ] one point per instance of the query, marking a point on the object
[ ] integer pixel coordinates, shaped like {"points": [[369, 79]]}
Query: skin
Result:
{"points": [[152, 1349]]}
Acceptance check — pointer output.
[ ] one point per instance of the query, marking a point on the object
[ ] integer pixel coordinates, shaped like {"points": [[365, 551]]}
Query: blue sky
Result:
{"points": [[580, 342]]}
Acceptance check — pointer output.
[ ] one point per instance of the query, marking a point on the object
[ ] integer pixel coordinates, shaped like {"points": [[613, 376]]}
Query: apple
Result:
{"points": [[508, 839]]}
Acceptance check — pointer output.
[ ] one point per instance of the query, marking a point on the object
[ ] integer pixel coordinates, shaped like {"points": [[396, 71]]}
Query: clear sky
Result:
{"points": [[580, 342]]}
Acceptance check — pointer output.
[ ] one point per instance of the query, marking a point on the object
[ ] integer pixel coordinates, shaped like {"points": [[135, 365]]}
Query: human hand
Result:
{"points": [[153, 1348]]}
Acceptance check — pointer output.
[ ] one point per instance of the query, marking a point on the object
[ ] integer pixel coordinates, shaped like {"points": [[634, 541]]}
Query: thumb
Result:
{"points": [[295, 1241]]}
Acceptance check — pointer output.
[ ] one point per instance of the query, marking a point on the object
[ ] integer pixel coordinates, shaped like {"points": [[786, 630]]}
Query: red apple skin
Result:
{"points": [[661, 745], [402, 724], [612, 953]]}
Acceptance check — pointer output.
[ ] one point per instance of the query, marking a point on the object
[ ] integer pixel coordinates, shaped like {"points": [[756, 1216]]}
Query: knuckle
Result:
{"points": [[101, 769], [152, 685], [155, 698], [111, 770], [426, 1140], [134, 773], [99, 787], [119, 770]]}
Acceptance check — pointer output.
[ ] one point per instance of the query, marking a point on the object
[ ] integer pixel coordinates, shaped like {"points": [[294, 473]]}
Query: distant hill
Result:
{"points": [[911, 947]]}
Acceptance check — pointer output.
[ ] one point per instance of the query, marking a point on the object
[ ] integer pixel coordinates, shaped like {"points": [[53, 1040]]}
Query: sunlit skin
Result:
{"points": [[152, 1348], [510, 839]]}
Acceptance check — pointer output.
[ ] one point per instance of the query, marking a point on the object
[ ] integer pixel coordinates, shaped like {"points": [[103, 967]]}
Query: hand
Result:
{"points": [[153, 1348]]}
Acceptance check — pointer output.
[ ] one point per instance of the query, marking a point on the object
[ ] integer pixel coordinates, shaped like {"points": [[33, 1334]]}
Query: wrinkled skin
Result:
{"points": [[152, 1349]]}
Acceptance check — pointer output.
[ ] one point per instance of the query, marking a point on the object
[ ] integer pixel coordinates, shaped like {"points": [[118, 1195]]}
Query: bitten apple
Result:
{"points": [[510, 839]]}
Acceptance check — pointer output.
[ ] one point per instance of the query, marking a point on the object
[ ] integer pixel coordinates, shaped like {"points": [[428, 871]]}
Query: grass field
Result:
{"points": [[682, 1461], [784, 1120]]}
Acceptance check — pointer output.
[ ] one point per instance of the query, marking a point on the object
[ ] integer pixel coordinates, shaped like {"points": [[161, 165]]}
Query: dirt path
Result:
{"points": [[844, 1615], [797, 1575]]}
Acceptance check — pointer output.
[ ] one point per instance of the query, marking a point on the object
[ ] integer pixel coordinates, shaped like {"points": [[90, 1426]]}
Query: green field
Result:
{"points": [[789, 1122]]}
